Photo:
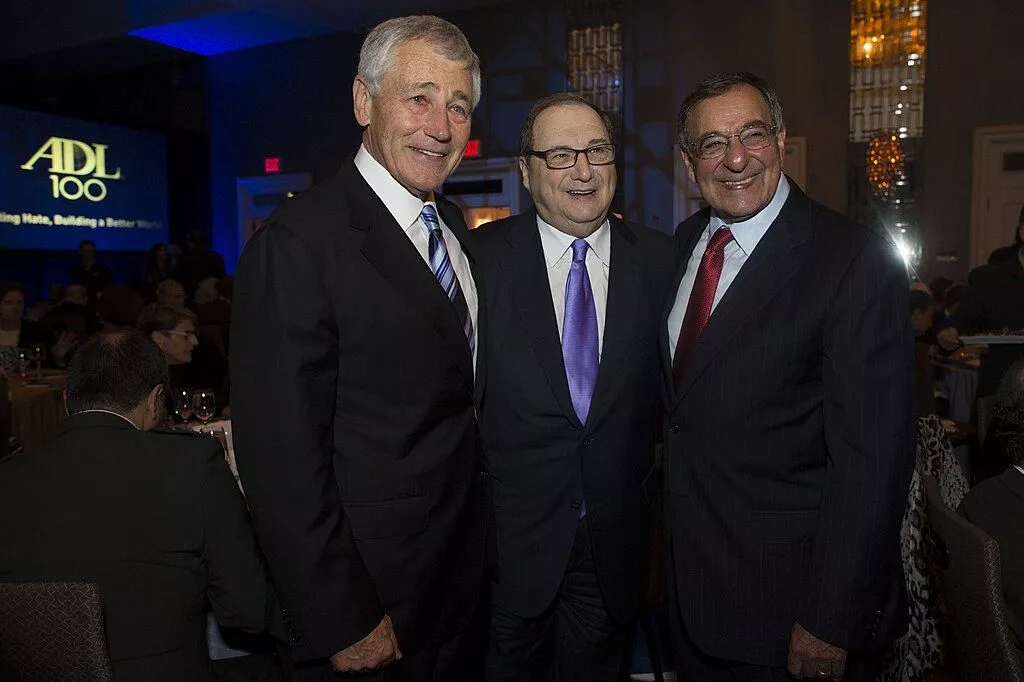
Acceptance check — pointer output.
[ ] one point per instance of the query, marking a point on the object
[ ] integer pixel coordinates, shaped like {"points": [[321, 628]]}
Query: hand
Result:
{"points": [[65, 342], [371, 652], [810, 657], [949, 338]]}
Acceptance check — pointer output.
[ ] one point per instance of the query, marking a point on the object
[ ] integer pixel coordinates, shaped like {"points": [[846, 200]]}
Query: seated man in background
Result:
{"points": [[119, 307], [996, 505], [155, 518], [992, 302], [171, 293]]}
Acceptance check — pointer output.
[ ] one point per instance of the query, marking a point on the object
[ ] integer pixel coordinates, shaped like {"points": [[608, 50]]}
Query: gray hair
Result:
{"points": [[719, 84], [376, 58]]}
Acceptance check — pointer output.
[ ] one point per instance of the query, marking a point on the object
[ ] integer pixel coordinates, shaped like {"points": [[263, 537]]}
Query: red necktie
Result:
{"points": [[698, 308]]}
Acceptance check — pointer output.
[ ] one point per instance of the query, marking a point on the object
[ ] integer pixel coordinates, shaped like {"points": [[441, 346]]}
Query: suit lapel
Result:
{"points": [[625, 289], [686, 241], [531, 295], [391, 253], [775, 260]]}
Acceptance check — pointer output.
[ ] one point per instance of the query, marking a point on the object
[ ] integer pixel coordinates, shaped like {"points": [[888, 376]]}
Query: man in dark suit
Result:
{"points": [[993, 301], [198, 262], [569, 413], [789, 374], [353, 346], [89, 272], [155, 518]]}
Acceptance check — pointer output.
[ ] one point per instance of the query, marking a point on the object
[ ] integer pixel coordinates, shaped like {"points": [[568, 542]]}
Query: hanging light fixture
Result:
{"points": [[886, 164]]}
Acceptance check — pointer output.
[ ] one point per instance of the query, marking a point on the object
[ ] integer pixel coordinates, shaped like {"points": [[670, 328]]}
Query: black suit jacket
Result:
{"points": [[156, 519], [543, 461], [997, 507], [354, 423], [994, 300], [789, 442]]}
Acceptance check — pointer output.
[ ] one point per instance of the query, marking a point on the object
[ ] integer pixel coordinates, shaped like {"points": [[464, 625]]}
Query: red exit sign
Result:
{"points": [[272, 164], [472, 148]]}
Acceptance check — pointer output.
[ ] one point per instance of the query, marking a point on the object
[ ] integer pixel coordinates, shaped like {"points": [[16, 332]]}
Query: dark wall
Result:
{"points": [[799, 46], [973, 80], [291, 100]]}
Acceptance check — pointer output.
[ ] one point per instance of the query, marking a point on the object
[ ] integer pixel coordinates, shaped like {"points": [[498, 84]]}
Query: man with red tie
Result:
{"points": [[789, 365]]}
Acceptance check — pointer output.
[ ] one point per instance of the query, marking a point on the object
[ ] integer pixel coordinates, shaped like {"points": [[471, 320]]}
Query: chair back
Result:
{"points": [[971, 581], [52, 631]]}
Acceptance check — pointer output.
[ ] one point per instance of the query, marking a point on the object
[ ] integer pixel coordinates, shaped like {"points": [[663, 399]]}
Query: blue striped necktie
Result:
{"points": [[441, 264]]}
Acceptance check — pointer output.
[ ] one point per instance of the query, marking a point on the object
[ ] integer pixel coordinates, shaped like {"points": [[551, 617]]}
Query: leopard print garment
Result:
{"points": [[919, 651]]}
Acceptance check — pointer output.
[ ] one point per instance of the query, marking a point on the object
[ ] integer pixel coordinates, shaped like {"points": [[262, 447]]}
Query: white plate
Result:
{"points": [[991, 340]]}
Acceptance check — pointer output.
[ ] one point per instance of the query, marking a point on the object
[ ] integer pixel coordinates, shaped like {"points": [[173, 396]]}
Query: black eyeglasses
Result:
{"points": [[561, 158], [714, 145]]}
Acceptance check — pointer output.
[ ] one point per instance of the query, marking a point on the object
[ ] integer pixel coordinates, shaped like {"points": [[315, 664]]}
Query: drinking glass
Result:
{"points": [[182, 404], [36, 355], [205, 404]]}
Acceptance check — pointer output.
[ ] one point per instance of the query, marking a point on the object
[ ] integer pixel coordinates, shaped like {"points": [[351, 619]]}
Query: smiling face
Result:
{"points": [[418, 124], [572, 200], [742, 181]]}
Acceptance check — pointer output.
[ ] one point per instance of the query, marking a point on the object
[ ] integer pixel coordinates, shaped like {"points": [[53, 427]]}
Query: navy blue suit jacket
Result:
{"points": [[542, 460], [789, 442]]}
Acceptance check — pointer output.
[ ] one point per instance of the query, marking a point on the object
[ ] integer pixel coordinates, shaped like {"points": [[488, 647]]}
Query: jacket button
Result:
{"points": [[587, 442], [673, 427], [574, 505]]}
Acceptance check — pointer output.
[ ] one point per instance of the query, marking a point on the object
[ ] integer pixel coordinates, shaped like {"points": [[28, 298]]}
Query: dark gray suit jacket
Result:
{"points": [[789, 442]]}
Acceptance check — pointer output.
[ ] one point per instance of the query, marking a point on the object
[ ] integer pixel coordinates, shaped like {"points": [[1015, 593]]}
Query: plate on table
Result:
{"points": [[992, 339]]}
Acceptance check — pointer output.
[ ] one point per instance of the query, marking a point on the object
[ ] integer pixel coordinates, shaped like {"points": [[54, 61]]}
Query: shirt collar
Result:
{"points": [[121, 416], [403, 206], [748, 233], [556, 243]]}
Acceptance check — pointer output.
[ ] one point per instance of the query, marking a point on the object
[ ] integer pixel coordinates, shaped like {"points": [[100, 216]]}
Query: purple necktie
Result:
{"points": [[579, 333]]}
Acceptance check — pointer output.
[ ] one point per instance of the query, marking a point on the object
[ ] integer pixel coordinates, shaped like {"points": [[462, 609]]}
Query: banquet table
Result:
{"points": [[37, 407]]}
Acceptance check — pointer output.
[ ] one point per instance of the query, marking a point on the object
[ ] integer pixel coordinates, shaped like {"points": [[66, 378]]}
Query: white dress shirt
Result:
{"points": [[405, 207], [558, 258], [746, 236]]}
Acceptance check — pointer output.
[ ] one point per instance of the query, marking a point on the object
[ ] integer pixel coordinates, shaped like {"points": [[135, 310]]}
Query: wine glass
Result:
{"points": [[36, 355], [182, 404], [205, 404], [22, 366]]}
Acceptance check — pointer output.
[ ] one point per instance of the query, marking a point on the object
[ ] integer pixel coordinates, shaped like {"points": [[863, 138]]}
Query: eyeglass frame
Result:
{"points": [[772, 132], [543, 155]]}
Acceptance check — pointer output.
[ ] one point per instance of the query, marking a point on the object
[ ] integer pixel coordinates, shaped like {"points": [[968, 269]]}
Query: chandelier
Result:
{"points": [[885, 164], [887, 32]]}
